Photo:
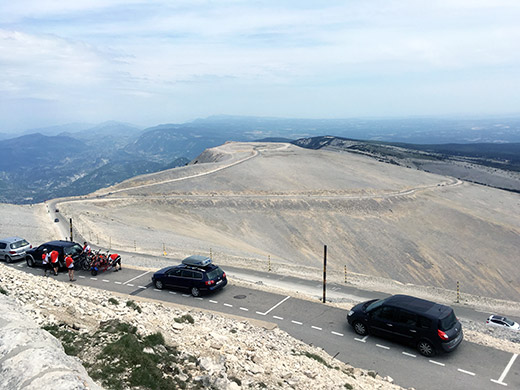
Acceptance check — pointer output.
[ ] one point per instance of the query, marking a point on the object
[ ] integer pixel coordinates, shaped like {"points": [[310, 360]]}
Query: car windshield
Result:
{"points": [[217, 272], [375, 305], [19, 244], [73, 250], [448, 322]]}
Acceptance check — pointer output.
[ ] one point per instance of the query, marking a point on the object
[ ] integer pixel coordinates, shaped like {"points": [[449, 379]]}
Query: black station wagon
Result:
{"points": [[429, 326], [196, 273]]}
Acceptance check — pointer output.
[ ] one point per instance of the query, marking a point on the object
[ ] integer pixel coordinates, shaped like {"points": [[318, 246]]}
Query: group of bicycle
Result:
{"points": [[97, 261]]}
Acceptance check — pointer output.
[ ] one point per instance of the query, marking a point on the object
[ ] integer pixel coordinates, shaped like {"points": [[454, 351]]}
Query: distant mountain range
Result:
{"points": [[80, 158]]}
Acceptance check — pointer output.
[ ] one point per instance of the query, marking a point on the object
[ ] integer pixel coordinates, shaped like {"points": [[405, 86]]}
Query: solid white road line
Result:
{"points": [[274, 307], [137, 277], [500, 380], [466, 372]]}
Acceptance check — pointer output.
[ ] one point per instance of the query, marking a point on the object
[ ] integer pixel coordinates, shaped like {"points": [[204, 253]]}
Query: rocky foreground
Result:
{"points": [[142, 344]]}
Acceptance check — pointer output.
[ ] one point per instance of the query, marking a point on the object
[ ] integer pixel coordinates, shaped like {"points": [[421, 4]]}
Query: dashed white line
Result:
{"points": [[466, 372], [131, 285], [409, 354], [297, 322], [213, 301], [278, 318], [382, 346], [143, 287], [363, 340], [316, 327], [155, 289], [437, 363], [172, 292], [199, 298], [228, 305], [119, 283], [93, 278], [186, 295], [83, 277], [244, 308], [337, 334], [106, 280]]}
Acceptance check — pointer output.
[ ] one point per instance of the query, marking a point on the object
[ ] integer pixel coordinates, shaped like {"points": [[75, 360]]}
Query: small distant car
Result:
{"points": [[13, 248], [56, 220], [502, 322], [64, 248], [196, 273]]}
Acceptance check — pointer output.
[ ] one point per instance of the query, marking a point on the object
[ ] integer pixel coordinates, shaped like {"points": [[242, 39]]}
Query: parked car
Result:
{"points": [[196, 273], [502, 322], [429, 326], [13, 248], [34, 256]]}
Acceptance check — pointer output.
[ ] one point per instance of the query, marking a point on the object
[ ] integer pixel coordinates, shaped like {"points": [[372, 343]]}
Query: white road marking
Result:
{"points": [[143, 287], [244, 308], [409, 354], [93, 278], [278, 318], [82, 277], [228, 305], [199, 298], [131, 285], [172, 292], [186, 295], [106, 281], [213, 301], [297, 322], [466, 372], [137, 277], [274, 307], [500, 380], [363, 340], [437, 363], [337, 334], [20, 265], [382, 346], [116, 282], [156, 289], [316, 327]]}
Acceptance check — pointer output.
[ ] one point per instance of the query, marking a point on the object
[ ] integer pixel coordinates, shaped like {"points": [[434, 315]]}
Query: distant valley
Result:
{"points": [[78, 159]]}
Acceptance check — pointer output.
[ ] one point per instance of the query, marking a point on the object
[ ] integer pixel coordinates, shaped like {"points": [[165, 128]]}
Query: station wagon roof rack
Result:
{"points": [[197, 261]]}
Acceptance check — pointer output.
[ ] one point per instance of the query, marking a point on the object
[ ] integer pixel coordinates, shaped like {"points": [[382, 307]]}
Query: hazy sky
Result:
{"points": [[164, 61]]}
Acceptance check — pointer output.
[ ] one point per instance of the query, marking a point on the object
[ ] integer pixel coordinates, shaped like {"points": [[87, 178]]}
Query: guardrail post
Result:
{"points": [[345, 274], [269, 262], [324, 272], [458, 292]]}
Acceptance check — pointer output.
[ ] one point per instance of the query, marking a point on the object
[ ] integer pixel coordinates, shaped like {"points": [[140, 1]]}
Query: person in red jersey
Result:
{"points": [[69, 263], [54, 261]]}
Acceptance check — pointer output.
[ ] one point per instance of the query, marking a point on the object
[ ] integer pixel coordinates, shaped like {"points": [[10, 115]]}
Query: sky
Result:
{"points": [[148, 62]]}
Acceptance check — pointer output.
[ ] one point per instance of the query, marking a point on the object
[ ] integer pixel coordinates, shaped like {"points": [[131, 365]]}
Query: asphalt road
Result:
{"points": [[471, 366]]}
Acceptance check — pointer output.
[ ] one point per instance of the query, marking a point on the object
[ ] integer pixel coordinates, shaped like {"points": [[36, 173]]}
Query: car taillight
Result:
{"points": [[209, 282], [442, 335], [223, 274], [12, 252]]}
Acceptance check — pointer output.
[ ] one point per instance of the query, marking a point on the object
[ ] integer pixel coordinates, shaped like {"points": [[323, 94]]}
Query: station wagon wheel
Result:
{"points": [[425, 348], [7, 259], [30, 261], [93, 272], [158, 284], [195, 291], [360, 328]]}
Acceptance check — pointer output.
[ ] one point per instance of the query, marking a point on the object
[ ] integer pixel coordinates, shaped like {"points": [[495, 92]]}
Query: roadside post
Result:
{"points": [[324, 272], [71, 238], [458, 292]]}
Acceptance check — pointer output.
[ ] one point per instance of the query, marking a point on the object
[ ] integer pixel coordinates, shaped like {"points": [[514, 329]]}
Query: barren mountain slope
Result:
{"points": [[245, 201]]}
